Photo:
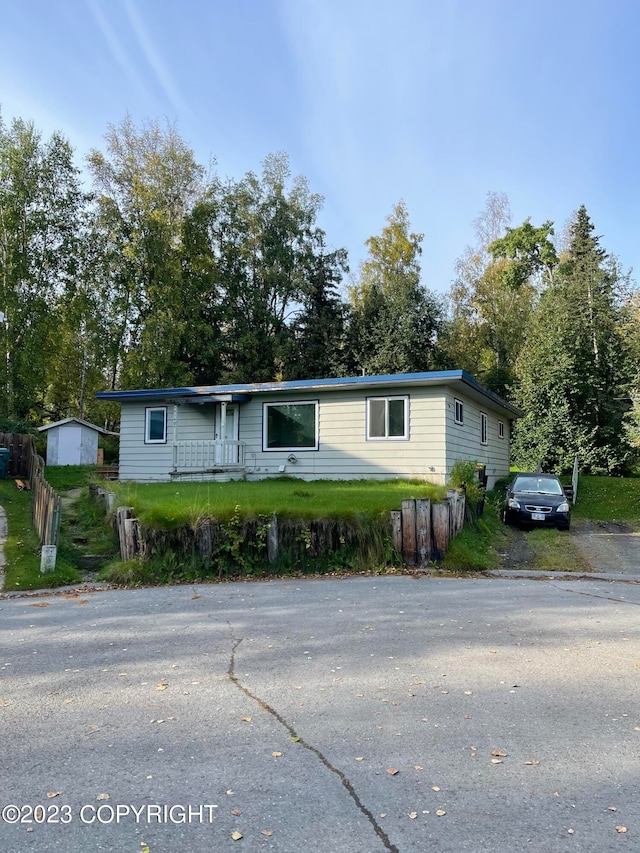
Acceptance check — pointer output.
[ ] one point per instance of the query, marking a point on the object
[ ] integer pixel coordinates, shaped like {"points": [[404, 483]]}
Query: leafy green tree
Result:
{"points": [[265, 241], [40, 207], [574, 369], [146, 184], [489, 305], [393, 319]]}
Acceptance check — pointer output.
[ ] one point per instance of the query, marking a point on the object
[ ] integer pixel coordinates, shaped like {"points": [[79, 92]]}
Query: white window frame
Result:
{"points": [[293, 448], [484, 428], [500, 429], [387, 400], [147, 424], [458, 415]]}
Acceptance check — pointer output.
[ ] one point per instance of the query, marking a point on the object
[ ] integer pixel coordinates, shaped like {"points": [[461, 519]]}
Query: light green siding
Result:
{"points": [[434, 440]]}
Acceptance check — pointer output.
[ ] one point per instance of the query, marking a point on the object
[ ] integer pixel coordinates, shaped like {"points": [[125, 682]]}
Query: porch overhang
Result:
{"points": [[202, 399]]}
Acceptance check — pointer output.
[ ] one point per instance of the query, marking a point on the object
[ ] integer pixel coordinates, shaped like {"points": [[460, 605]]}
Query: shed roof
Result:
{"points": [[242, 392], [76, 421]]}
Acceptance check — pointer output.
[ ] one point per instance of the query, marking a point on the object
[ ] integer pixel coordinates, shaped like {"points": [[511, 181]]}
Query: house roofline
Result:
{"points": [[239, 393]]}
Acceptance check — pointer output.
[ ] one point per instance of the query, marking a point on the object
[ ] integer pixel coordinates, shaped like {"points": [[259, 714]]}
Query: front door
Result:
{"points": [[226, 429]]}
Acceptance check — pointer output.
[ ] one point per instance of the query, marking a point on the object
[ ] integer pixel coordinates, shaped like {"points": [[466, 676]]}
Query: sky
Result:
{"points": [[436, 102]]}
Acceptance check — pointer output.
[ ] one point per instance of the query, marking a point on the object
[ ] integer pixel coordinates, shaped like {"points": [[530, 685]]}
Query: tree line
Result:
{"points": [[163, 274]]}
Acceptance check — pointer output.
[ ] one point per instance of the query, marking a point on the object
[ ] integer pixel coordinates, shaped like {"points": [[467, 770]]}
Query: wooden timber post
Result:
{"points": [[423, 531], [440, 514], [409, 532], [272, 539]]}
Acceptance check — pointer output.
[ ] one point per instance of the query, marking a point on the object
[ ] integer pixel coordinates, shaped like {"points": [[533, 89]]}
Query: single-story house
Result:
{"points": [[412, 425], [72, 441]]}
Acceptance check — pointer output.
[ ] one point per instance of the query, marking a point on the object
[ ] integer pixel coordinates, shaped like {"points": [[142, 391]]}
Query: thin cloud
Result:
{"points": [[151, 54]]}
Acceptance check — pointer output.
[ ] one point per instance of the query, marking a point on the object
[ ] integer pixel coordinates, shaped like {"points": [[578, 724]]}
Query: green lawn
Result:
{"points": [[22, 549], [608, 499], [173, 504]]}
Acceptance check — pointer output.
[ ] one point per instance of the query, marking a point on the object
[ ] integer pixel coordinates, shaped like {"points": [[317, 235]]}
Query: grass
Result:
{"points": [[170, 505], [474, 549], [554, 551], [608, 499], [22, 548]]}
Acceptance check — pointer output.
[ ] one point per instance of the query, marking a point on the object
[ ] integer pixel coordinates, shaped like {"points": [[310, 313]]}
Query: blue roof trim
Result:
{"points": [[434, 377]]}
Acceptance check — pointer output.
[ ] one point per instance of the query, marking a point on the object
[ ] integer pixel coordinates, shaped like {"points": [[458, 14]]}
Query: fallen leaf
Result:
{"points": [[440, 812], [276, 754], [52, 794], [236, 835], [236, 812], [496, 761], [392, 771], [39, 604], [161, 686], [532, 761], [435, 788], [499, 752], [359, 758], [612, 809], [621, 828], [418, 767], [294, 739], [413, 815], [103, 797], [383, 814], [468, 693], [246, 719], [266, 832], [571, 831], [195, 596]]}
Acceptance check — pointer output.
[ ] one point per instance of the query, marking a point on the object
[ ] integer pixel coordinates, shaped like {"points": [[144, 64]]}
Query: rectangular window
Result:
{"points": [[459, 413], [290, 426], [388, 418], [500, 429], [155, 426], [483, 428]]}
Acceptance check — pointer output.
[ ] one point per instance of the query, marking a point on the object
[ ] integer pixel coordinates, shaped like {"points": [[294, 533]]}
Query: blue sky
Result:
{"points": [[436, 102]]}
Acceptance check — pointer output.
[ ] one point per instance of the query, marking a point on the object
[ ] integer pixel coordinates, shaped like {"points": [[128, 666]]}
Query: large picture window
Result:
{"points": [[290, 426], [155, 425], [388, 418]]}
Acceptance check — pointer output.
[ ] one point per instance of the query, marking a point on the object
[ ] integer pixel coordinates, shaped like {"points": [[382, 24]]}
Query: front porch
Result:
{"points": [[207, 457]]}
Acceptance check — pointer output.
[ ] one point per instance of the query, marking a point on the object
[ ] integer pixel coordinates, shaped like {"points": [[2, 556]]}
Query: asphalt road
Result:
{"points": [[276, 710]]}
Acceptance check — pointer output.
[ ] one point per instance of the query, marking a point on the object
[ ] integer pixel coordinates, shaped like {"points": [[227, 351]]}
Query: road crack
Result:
{"points": [[382, 835]]}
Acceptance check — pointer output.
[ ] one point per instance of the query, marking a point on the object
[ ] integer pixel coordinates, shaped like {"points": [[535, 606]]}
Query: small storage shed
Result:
{"points": [[72, 442]]}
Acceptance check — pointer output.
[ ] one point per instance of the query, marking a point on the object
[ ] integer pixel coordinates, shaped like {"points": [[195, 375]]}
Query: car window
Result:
{"points": [[537, 485]]}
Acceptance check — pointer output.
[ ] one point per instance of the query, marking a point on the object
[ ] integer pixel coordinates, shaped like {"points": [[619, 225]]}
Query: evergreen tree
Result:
{"points": [[574, 372], [317, 347]]}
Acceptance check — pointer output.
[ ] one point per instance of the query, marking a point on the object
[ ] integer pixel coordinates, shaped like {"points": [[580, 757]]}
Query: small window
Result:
{"points": [[459, 413], [483, 428], [290, 426], [387, 418], [500, 429], [155, 428]]}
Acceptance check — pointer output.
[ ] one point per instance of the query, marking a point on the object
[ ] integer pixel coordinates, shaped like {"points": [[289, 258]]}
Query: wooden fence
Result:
{"points": [[24, 461], [422, 530]]}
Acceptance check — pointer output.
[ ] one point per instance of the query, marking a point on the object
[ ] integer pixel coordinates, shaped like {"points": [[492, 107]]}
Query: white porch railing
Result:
{"points": [[207, 455]]}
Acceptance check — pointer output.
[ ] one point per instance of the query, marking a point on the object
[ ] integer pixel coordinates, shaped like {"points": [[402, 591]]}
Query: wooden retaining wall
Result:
{"points": [[422, 530]]}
